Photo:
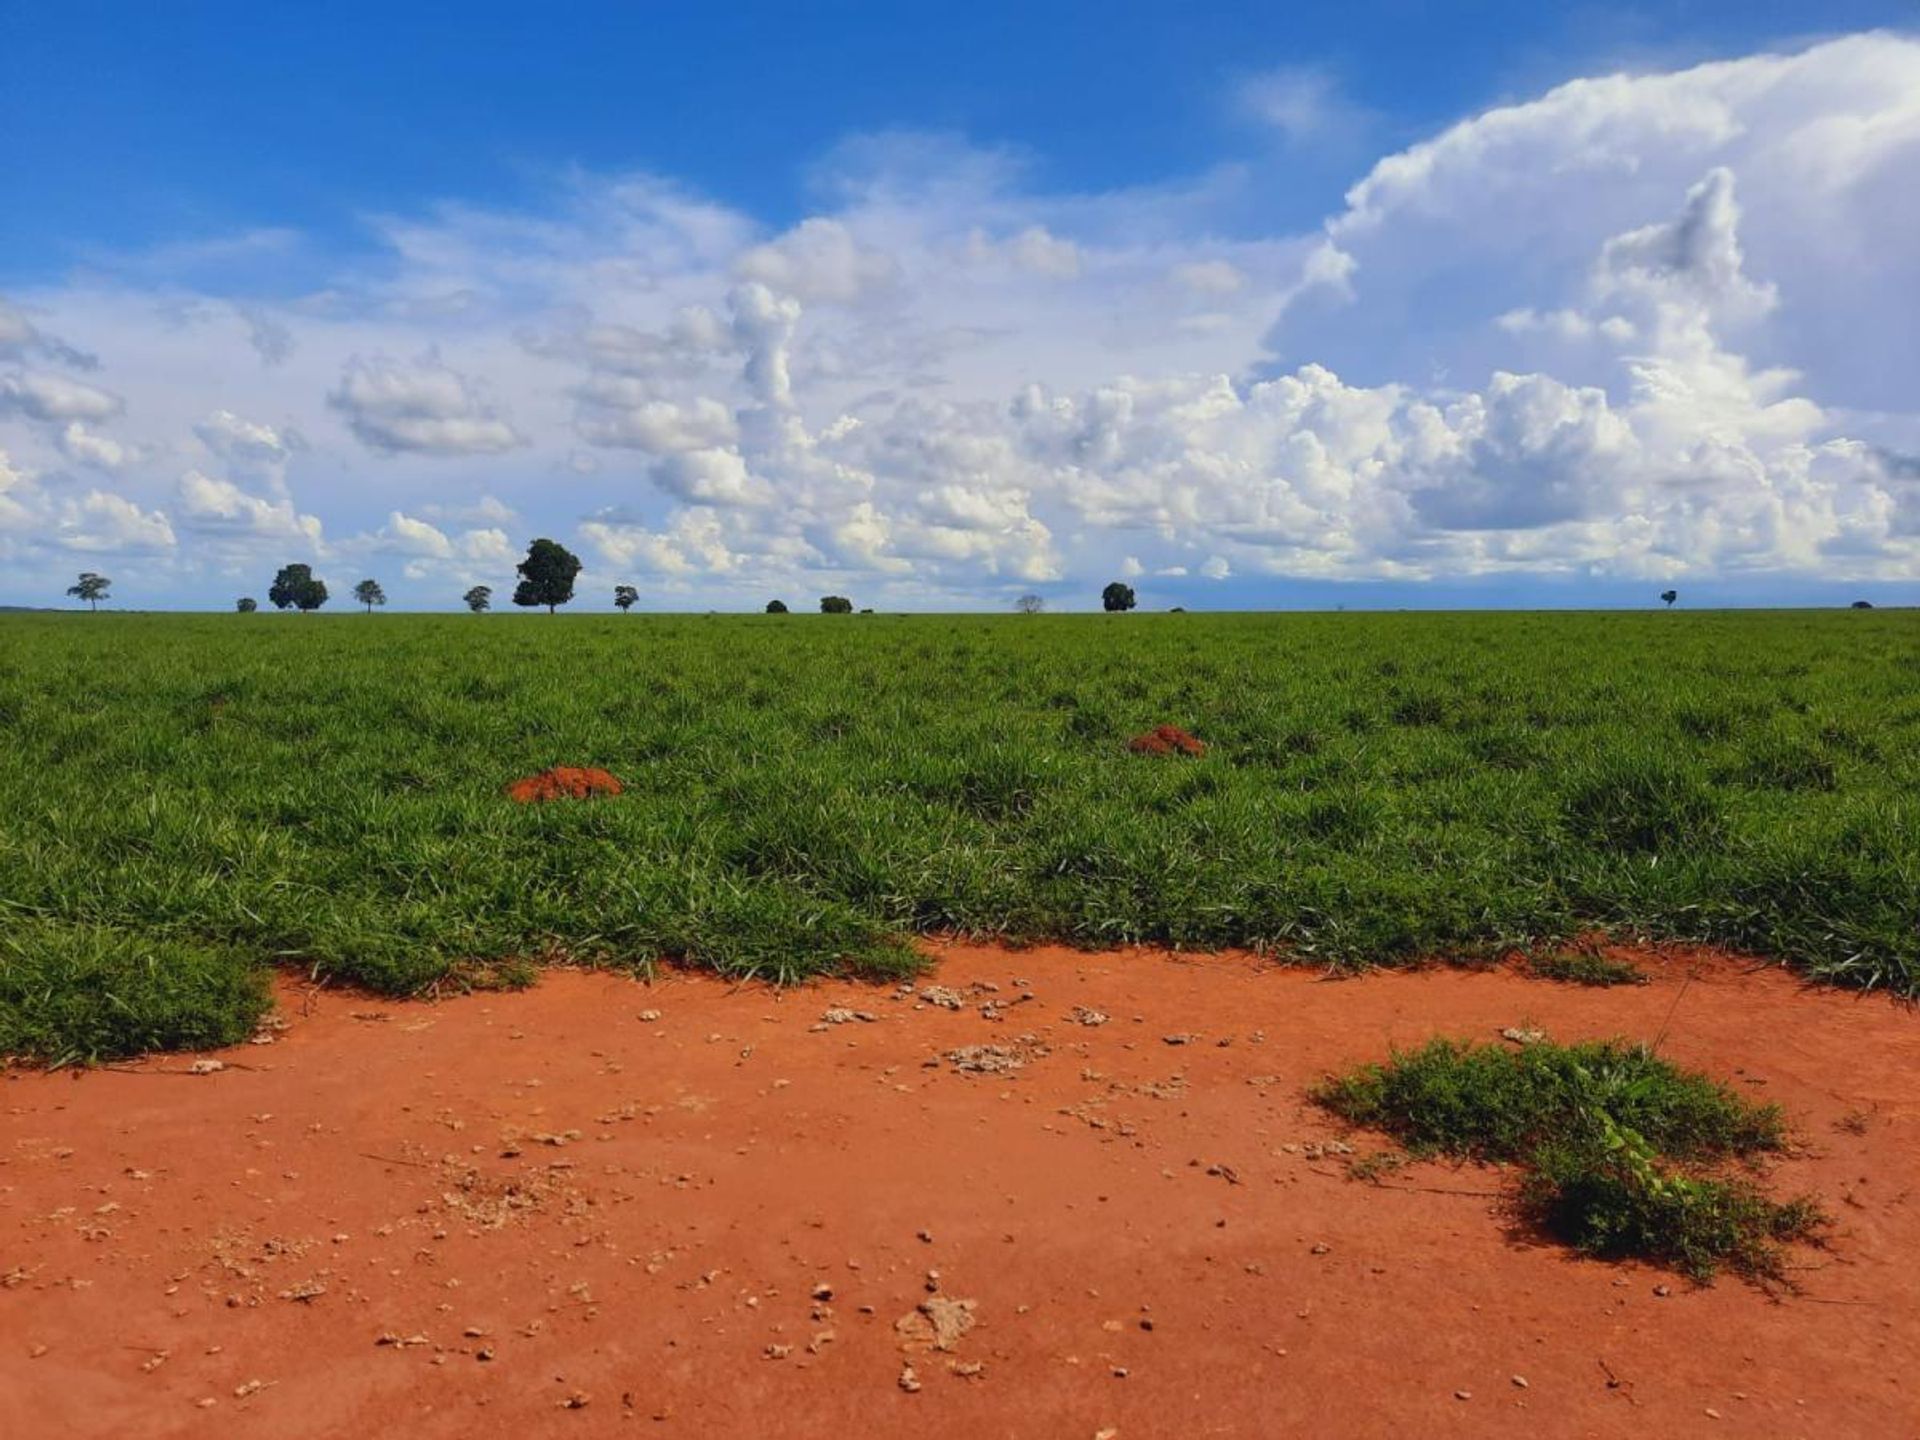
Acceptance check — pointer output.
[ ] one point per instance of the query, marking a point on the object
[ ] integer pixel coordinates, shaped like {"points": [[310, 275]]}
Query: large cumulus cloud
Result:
{"points": [[1651, 325]]}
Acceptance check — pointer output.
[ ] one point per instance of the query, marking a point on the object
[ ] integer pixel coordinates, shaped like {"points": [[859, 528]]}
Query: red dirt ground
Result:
{"points": [[625, 1196], [1166, 740], [562, 782]]}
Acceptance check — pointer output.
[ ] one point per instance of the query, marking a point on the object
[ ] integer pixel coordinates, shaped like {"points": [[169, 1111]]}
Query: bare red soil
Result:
{"points": [[601, 1207], [562, 782], [1166, 740]]}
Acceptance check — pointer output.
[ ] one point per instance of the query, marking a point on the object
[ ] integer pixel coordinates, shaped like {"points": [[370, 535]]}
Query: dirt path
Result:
{"points": [[599, 1208]]}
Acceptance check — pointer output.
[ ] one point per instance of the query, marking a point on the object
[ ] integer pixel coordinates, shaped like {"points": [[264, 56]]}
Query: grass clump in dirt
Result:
{"points": [[72, 994], [1584, 967], [1623, 1154]]}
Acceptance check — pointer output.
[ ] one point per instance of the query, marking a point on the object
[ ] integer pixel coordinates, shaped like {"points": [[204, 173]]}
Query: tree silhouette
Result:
{"points": [[369, 594], [547, 575], [246, 605], [1029, 604], [776, 607], [92, 588], [479, 598], [1669, 596], [294, 588], [835, 605], [624, 596], [1117, 597]]}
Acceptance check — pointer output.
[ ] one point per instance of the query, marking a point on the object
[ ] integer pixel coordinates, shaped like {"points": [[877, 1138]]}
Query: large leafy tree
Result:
{"points": [[835, 605], [91, 588], [479, 599], [369, 594], [546, 575], [624, 596], [295, 588], [1117, 597], [246, 605]]}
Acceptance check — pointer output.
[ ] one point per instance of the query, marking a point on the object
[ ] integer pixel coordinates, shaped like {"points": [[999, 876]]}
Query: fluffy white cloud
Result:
{"points": [[241, 441], [101, 523], [819, 260], [425, 407], [211, 506], [55, 398]]}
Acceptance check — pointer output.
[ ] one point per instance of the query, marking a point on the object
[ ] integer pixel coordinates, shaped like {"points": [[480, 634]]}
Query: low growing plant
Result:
{"points": [[1619, 1149]]}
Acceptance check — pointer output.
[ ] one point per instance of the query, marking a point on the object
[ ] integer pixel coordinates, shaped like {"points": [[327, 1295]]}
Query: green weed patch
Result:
{"points": [[1623, 1155]]}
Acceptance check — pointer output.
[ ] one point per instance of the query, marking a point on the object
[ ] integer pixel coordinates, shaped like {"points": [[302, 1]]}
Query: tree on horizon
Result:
{"points": [[479, 598], [547, 575], [624, 596], [1030, 604], [91, 588], [1116, 598], [295, 588], [369, 594], [246, 605]]}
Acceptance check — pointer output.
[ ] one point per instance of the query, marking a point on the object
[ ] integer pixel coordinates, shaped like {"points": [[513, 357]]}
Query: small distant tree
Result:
{"points": [[1863, 605], [546, 575], [369, 594], [1029, 604], [776, 607], [246, 605], [91, 588], [1116, 598], [295, 588], [479, 599], [1669, 596], [835, 605], [624, 596]]}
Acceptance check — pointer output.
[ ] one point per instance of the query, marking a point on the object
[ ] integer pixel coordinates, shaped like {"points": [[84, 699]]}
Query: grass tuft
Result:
{"points": [[1585, 967], [1618, 1147]]}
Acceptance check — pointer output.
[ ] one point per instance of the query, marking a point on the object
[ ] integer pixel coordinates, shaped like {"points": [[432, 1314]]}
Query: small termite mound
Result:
{"points": [[1166, 740], [562, 782]]}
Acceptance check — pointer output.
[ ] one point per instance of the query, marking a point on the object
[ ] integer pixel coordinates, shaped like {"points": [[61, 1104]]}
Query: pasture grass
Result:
{"points": [[1575, 966], [806, 793], [1623, 1154]]}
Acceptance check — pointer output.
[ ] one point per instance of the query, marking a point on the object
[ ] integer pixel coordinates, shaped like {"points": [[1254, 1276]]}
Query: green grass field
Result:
{"points": [[186, 799]]}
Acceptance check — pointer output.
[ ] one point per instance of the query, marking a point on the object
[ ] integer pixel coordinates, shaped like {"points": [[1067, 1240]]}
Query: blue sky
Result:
{"points": [[940, 301]]}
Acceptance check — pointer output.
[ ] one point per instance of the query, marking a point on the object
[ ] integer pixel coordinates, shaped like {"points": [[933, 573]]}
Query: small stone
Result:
{"points": [[909, 1381], [206, 1067], [1463, 1394], [1520, 1382], [649, 1015]]}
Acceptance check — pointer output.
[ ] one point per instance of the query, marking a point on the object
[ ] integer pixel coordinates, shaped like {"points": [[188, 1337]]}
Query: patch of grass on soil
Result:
{"points": [[1585, 967], [1623, 1155], [77, 993]]}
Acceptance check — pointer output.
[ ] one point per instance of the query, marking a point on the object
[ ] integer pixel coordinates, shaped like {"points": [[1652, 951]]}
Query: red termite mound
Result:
{"points": [[562, 782], [1166, 740]]}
